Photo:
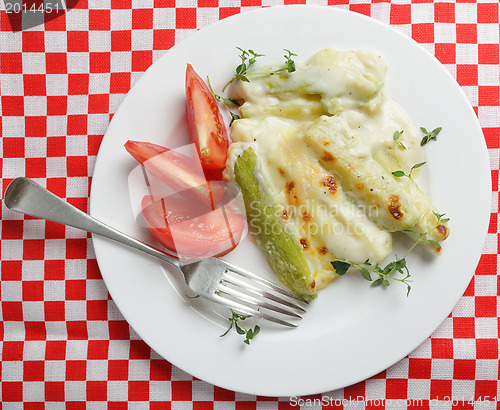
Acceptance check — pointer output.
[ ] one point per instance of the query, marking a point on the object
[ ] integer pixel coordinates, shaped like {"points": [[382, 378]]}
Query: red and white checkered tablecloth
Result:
{"points": [[63, 342]]}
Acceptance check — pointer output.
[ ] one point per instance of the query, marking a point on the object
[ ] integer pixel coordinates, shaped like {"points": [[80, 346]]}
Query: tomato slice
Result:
{"points": [[183, 228], [205, 122]]}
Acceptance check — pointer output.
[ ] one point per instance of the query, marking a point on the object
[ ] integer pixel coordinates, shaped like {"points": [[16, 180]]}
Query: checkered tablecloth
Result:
{"points": [[63, 342]]}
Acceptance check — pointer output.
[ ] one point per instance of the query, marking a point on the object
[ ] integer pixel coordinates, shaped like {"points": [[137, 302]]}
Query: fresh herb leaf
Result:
{"points": [[440, 218], [401, 173], [429, 136], [365, 273], [417, 166], [341, 267], [235, 321], [396, 136], [248, 59]]}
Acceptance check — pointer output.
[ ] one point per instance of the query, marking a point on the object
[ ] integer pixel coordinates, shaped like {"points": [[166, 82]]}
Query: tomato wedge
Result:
{"points": [[205, 122], [179, 172], [176, 170], [180, 227]]}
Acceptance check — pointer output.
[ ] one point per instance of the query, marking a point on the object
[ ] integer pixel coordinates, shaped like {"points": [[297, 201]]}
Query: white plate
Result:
{"points": [[351, 331]]}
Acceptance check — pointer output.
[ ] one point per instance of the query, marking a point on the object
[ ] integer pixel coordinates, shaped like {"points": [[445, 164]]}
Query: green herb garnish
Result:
{"points": [[440, 218], [248, 59], [429, 136], [396, 136], [235, 320], [401, 173], [384, 274]]}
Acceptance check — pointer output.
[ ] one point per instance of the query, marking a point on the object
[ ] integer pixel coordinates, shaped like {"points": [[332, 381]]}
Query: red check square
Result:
{"points": [[118, 330], [182, 390], [97, 310], [55, 350], [34, 84], [12, 391], [99, 19], [35, 167], [76, 289], [141, 60], [76, 248], [464, 369], [78, 41], [35, 126], [423, 32], [442, 348], [97, 390], [54, 270], [54, 391], [466, 33], [161, 370], [100, 62], [396, 388], [487, 348], [12, 229], [12, 311], [119, 83], [76, 370], [32, 290], [56, 63], [55, 310], [11, 270], [57, 105], [185, 18], [121, 40], [419, 368], [487, 13], [35, 331], [13, 147], [440, 389], [77, 124], [11, 63], [444, 12], [33, 41], [142, 19], [138, 391], [33, 370], [78, 84], [118, 370], [486, 306], [488, 53], [12, 351], [12, 105], [163, 39], [97, 349], [33, 249]]}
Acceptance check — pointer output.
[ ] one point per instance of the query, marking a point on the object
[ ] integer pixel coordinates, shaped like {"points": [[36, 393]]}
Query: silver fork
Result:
{"points": [[212, 278]]}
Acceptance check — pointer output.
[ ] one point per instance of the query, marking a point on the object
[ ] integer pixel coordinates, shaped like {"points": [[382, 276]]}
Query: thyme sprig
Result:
{"points": [[429, 135], [396, 136], [235, 321], [440, 218], [384, 275], [248, 58], [401, 173]]}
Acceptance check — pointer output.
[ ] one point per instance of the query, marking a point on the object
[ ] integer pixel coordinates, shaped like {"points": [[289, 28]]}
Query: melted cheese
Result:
{"points": [[337, 99]]}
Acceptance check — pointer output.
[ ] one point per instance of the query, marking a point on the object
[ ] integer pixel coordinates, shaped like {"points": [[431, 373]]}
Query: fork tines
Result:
{"points": [[251, 294]]}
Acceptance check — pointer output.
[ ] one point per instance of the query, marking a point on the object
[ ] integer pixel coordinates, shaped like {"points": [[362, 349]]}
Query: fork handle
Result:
{"points": [[26, 196]]}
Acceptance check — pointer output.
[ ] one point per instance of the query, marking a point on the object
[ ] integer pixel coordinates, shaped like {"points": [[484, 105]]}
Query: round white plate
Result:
{"points": [[351, 331]]}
